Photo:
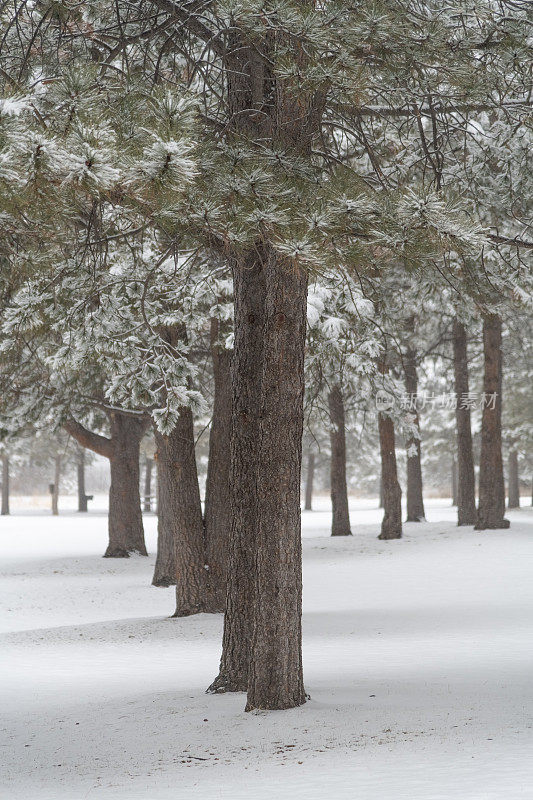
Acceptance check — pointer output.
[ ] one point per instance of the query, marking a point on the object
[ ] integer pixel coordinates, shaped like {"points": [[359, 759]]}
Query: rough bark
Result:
{"points": [[80, 471], [465, 478], [514, 483], [275, 678], [217, 513], [165, 562], [5, 485], [491, 484], [415, 500], [340, 525], [57, 480], [454, 484], [249, 303], [148, 465], [381, 499], [309, 482], [391, 526], [126, 532]]}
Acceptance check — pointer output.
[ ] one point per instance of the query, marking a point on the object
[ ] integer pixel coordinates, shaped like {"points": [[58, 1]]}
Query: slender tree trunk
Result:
{"points": [[5, 485], [391, 527], [217, 494], [454, 484], [126, 533], [465, 479], [148, 464], [57, 479], [80, 470], [514, 483], [415, 500], [309, 482], [491, 484], [381, 498], [275, 679], [340, 525], [249, 299], [165, 563]]}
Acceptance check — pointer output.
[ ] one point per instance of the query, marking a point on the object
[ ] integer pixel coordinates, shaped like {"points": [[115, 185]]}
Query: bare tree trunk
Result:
{"points": [[217, 513], [126, 532], [454, 483], [491, 485], [275, 679], [381, 498], [165, 563], [415, 500], [309, 482], [5, 485], [514, 483], [148, 465], [465, 479], [249, 293], [57, 479], [340, 524], [391, 526], [80, 470]]}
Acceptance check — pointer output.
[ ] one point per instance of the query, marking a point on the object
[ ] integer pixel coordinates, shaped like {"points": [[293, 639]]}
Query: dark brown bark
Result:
{"points": [[340, 523], [126, 533], [381, 499], [309, 482], [5, 485], [80, 471], [275, 678], [415, 500], [454, 484], [165, 562], [148, 464], [491, 508], [514, 483], [465, 479], [217, 493], [57, 480], [249, 300], [180, 500], [391, 526]]}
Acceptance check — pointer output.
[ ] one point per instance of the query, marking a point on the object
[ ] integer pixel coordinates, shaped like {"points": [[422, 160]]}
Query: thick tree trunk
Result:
{"points": [[126, 533], [340, 525], [275, 678], [391, 526], [249, 299], [148, 465], [80, 470], [217, 493], [415, 500], [5, 485], [465, 479], [57, 480], [454, 484], [514, 483], [309, 482], [491, 484]]}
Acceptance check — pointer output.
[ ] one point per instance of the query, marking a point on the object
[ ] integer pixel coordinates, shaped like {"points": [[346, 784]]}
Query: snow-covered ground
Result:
{"points": [[418, 656]]}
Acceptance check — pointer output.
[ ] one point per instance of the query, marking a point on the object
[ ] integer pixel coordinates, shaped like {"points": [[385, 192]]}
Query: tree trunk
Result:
{"points": [[465, 479], [5, 485], [340, 525], [148, 464], [249, 302], [491, 484], [126, 533], [415, 500], [381, 498], [80, 469], [454, 484], [391, 527], [180, 498], [514, 483], [217, 494], [309, 482], [275, 678], [165, 563], [57, 479]]}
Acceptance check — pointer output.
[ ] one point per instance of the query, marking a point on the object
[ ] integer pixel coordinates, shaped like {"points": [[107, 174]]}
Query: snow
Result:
{"points": [[417, 657]]}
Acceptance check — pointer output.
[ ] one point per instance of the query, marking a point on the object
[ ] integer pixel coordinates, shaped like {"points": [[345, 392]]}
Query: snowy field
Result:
{"points": [[418, 656]]}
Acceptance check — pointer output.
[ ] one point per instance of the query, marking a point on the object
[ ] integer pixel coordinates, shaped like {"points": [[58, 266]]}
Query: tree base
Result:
{"points": [[503, 524], [277, 704], [164, 582], [342, 533], [223, 684], [390, 535], [141, 551], [116, 552]]}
